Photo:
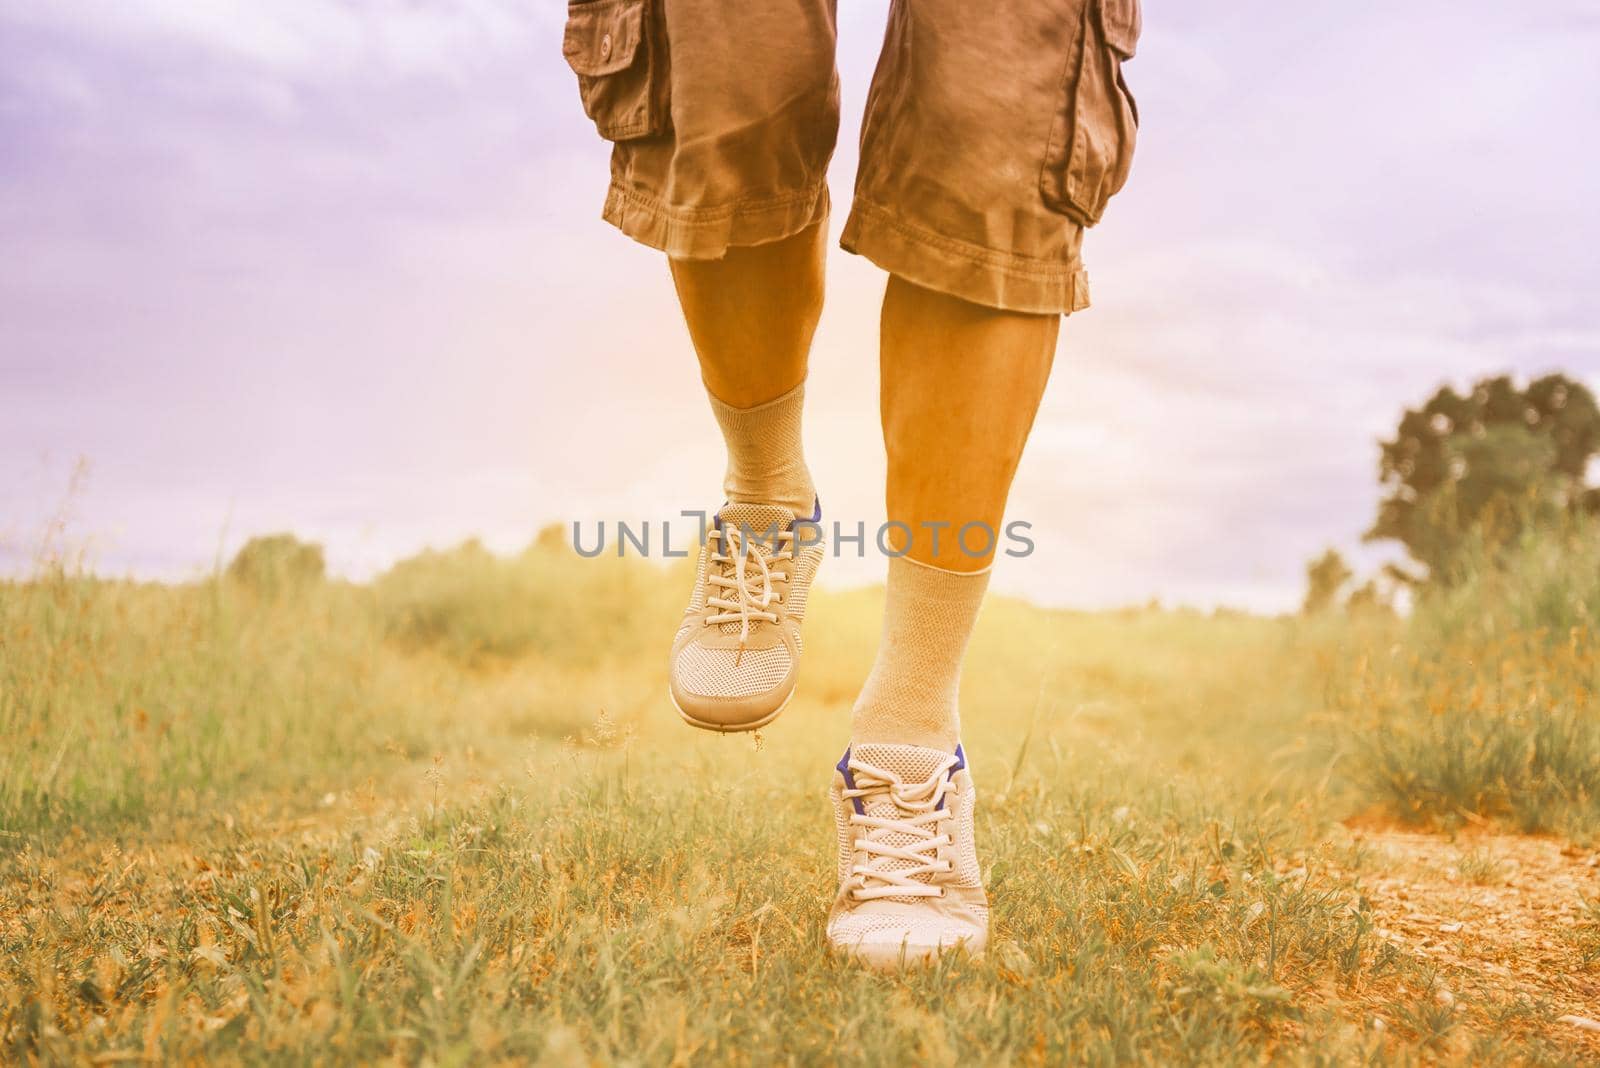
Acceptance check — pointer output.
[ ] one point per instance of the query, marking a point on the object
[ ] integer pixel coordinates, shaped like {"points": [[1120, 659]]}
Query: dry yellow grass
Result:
{"points": [[416, 823]]}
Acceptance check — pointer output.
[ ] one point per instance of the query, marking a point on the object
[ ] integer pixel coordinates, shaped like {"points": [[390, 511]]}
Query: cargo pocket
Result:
{"points": [[614, 48], [1091, 140]]}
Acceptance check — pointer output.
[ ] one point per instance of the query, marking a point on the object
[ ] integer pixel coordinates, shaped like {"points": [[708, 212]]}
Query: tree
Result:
{"points": [[1325, 577], [1498, 453]]}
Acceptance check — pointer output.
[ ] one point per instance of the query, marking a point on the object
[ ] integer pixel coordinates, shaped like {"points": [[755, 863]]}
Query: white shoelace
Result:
{"points": [[912, 838], [732, 582]]}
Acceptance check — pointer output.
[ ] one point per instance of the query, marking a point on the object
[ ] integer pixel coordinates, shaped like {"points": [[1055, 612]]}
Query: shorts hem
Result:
{"points": [[972, 272], [708, 233]]}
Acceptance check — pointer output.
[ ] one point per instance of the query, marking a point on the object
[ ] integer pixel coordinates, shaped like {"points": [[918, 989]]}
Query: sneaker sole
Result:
{"points": [[728, 728], [886, 958]]}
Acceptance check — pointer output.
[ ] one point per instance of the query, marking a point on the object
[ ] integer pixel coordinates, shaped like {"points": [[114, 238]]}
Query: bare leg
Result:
{"points": [[751, 315], [961, 386]]}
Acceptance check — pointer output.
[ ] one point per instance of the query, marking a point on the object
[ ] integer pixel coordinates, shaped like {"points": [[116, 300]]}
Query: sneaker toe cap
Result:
{"points": [[730, 674], [883, 942], [719, 690]]}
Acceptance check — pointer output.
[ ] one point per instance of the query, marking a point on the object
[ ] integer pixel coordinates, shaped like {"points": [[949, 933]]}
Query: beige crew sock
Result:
{"points": [[766, 464], [910, 695]]}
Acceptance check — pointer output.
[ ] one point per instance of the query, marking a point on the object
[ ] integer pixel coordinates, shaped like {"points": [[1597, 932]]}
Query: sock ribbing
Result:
{"points": [[766, 461], [910, 696]]}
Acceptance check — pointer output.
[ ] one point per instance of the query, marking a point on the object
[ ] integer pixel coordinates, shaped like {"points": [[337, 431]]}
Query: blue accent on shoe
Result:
{"points": [[850, 780], [816, 513], [961, 762]]}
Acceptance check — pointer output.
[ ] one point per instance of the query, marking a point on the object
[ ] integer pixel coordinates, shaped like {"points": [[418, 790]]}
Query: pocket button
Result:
{"points": [[605, 47]]}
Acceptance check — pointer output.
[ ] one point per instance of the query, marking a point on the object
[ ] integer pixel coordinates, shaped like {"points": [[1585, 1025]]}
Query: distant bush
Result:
{"points": [[1371, 598], [278, 563], [476, 606], [1488, 707], [1326, 576], [1547, 579], [1327, 579], [1509, 731]]}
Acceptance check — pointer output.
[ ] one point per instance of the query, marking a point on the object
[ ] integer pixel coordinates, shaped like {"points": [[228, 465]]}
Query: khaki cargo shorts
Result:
{"points": [[995, 132]]}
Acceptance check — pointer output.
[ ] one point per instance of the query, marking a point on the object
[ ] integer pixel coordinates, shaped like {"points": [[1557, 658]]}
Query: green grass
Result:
{"points": [[1487, 704], [431, 820], [1481, 867]]}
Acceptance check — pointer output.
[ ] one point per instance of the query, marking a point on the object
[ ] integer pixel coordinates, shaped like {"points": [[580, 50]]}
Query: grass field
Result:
{"points": [[435, 819]]}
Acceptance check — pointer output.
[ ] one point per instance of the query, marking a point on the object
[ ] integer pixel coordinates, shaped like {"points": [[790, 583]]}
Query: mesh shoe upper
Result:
{"points": [[735, 657]]}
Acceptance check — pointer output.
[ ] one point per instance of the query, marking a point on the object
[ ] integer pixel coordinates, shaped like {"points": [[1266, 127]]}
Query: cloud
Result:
{"points": [[308, 41]]}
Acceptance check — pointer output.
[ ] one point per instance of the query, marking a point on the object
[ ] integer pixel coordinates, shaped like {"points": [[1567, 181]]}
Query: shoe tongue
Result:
{"points": [[759, 523], [913, 763]]}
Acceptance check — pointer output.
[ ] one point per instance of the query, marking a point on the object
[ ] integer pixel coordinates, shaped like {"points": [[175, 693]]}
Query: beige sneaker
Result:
{"points": [[737, 654], [909, 885]]}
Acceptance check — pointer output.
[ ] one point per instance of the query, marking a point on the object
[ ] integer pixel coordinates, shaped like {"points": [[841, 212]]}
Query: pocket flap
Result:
{"points": [[1120, 22], [602, 35]]}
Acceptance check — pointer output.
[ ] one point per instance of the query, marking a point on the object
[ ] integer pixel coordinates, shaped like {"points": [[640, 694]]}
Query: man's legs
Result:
{"points": [[960, 387], [751, 315]]}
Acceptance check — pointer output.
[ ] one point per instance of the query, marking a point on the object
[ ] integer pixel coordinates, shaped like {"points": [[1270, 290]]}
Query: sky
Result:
{"points": [[336, 267]]}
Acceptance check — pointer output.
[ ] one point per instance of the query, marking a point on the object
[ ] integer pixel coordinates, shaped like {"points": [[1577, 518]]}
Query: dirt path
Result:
{"points": [[1497, 913]]}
